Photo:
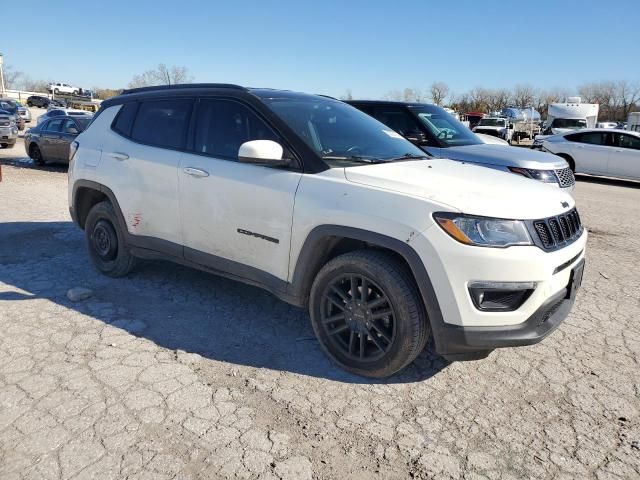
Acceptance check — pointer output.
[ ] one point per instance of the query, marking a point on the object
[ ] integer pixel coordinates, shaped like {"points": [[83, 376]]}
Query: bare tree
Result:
{"points": [[395, 95], [33, 85], [439, 92], [412, 95], [347, 95], [162, 75], [524, 95], [628, 95], [12, 77]]}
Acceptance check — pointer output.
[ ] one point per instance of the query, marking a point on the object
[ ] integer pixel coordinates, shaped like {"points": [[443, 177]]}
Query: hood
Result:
{"points": [[466, 188], [505, 156]]}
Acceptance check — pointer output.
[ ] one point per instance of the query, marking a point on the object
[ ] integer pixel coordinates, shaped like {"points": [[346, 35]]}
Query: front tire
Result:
{"points": [[106, 243], [367, 313]]}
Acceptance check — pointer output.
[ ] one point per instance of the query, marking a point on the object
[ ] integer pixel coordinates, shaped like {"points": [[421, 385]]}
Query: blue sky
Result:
{"points": [[329, 46]]}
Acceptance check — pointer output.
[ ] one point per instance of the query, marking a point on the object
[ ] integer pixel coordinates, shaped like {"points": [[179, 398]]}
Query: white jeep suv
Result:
{"points": [[326, 207]]}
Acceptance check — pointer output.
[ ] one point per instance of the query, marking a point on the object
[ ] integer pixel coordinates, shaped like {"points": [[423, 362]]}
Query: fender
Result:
{"points": [[322, 238]]}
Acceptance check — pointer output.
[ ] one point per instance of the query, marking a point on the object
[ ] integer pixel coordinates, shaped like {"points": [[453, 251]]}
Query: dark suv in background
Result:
{"points": [[44, 102], [442, 135]]}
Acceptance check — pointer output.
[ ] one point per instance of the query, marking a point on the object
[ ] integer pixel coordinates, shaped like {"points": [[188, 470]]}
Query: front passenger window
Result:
{"points": [[223, 125]]}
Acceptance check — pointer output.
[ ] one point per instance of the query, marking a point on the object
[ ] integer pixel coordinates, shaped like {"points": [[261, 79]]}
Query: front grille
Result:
{"points": [[565, 177], [558, 231]]}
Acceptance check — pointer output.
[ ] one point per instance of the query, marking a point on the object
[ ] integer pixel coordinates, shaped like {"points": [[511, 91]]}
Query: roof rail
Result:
{"points": [[180, 86]]}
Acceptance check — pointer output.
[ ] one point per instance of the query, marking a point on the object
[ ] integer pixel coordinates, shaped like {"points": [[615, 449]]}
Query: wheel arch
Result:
{"points": [[325, 242], [569, 159], [86, 194]]}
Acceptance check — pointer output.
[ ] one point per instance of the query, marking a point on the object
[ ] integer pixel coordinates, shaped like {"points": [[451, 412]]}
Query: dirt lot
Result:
{"points": [[173, 373]]}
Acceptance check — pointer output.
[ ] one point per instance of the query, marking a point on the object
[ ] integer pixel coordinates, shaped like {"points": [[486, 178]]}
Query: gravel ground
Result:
{"points": [[173, 373]]}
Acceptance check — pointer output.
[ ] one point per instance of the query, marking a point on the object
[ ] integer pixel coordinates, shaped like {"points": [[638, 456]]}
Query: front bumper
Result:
{"points": [[470, 343], [464, 330]]}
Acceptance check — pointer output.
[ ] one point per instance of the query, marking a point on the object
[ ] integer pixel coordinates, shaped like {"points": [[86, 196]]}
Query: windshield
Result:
{"points": [[340, 133], [9, 106], [574, 123], [448, 130], [491, 122]]}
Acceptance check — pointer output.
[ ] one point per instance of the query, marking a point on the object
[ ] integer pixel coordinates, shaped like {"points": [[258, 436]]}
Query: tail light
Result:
{"points": [[73, 148]]}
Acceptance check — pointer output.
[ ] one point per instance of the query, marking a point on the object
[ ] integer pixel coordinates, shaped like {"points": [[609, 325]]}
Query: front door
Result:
{"points": [[235, 216], [50, 139]]}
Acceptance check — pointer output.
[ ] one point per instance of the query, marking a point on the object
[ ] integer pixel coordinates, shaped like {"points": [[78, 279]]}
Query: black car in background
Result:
{"points": [[51, 140], [44, 102]]}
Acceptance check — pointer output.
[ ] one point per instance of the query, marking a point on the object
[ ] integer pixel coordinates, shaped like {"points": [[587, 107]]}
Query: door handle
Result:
{"points": [[618, 151], [119, 155], [195, 172]]}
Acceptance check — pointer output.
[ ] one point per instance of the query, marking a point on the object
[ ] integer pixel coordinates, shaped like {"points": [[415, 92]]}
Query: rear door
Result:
{"points": [[140, 159], [234, 211], [624, 160], [590, 150]]}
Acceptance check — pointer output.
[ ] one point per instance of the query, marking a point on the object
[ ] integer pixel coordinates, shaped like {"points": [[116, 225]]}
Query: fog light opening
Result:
{"points": [[500, 296]]}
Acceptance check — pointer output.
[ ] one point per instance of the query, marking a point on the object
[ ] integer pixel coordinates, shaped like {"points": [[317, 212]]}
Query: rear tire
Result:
{"points": [[375, 331], [36, 155], [106, 243]]}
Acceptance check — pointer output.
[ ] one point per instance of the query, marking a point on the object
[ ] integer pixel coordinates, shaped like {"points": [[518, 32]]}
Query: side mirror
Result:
{"points": [[262, 152], [511, 126], [72, 130]]}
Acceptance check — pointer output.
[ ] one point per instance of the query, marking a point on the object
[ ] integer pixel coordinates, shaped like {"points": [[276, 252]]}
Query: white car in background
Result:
{"points": [[598, 151], [607, 125], [58, 112]]}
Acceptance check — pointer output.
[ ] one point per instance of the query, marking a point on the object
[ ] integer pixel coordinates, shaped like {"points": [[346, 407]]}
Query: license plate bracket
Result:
{"points": [[575, 280]]}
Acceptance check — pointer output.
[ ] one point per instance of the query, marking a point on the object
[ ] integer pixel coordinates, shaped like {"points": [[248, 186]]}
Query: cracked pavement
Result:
{"points": [[172, 373]]}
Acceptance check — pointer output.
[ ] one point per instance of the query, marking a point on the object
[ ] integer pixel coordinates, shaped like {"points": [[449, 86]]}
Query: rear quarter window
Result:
{"points": [[124, 119]]}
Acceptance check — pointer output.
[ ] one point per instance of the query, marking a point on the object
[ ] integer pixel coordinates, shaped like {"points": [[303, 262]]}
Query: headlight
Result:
{"points": [[546, 176], [483, 231]]}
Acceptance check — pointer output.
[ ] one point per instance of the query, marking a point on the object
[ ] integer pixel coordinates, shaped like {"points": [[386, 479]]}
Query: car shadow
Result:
{"points": [[175, 307], [608, 181], [26, 162]]}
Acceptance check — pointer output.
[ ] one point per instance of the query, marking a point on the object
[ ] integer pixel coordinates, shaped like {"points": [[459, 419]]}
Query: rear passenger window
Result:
{"points": [[124, 120], [162, 123], [223, 125]]}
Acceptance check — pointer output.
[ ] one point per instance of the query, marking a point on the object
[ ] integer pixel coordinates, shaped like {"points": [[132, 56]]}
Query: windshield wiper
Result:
{"points": [[407, 156], [353, 158]]}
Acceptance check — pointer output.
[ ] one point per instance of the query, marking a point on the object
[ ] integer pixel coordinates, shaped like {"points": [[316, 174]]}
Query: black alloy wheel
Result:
{"points": [[358, 317]]}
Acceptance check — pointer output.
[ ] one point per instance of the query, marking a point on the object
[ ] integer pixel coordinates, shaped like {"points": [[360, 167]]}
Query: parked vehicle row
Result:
{"points": [[388, 246]]}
